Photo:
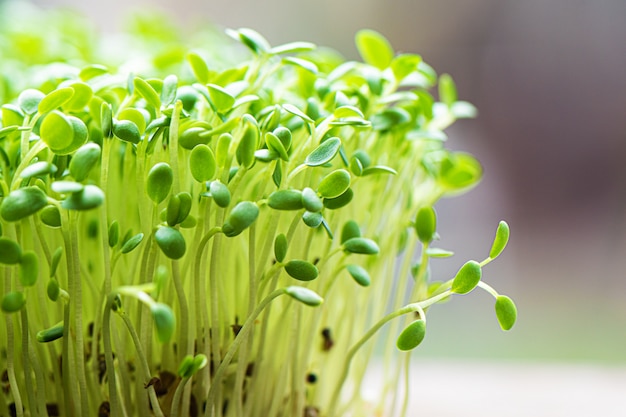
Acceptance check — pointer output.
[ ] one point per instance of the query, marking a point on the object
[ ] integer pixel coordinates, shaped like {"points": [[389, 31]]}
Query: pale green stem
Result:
{"points": [[108, 356], [239, 339], [409, 308], [15, 392], [28, 380]]}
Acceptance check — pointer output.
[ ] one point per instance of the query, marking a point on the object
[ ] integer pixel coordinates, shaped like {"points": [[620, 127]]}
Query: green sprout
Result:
{"points": [[197, 228]]}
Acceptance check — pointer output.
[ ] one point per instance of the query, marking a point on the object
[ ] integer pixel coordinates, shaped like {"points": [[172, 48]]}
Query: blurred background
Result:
{"points": [[548, 78]]}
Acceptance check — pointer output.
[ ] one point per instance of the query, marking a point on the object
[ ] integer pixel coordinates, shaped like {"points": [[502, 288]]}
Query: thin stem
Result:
{"points": [[239, 339], [409, 308], [15, 391], [108, 356], [176, 406]]}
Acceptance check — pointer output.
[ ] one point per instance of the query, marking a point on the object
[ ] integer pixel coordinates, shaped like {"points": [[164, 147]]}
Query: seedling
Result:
{"points": [[145, 212]]}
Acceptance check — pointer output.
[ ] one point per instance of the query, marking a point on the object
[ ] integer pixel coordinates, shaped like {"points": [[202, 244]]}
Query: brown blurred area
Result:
{"points": [[549, 79]]}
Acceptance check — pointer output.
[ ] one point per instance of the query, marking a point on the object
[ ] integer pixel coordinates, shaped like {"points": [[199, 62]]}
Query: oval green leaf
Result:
{"points": [[29, 268], [13, 301], [501, 239], [360, 275], [467, 278], [506, 312], [412, 335], [280, 247], [159, 182], [171, 242], [334, 184], [202, 163], [324, 153], [361, 245], [22, 203], [426, 224], [10, 251], [301, 270], [304, 295], [88, 198], [164, 321], [285, 200]]}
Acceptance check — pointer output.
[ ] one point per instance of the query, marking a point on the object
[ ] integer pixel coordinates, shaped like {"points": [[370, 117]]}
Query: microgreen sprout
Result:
{"points": [[222, 214]]}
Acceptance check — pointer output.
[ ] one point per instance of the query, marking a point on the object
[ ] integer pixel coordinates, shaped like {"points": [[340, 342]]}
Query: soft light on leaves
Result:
{"points": [[361, 245], [38, 169], [159, 182], [374, 48], [324, 153], [190, 365], [458, 172], [56, 131], [202, 164], [137, 116], [10, 251], [240, 218], [501, 239], [53, 290], [221, 150], [292, 48], [280, 247], [88, 198], [438, 253], [247, 146], [301, 63], [29, 269], [304, 295], [506, 312], [66, 187], [360, 275], [297, 112], [275, 145], [311, 201], [199, 67], [412, 335], [426, 224], [405, 64], [164, 321], [378, 169], [467, 278], [29, 100], [251, 38], [56, 258], [334, 184], [55, 99], [145, 90], [312, 219], [114, 233], [13, 301], [285, 200], [222, 100], [22, 203], [171, 242]]}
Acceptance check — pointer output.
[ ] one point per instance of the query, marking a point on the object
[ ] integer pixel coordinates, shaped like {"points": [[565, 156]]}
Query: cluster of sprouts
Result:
{"points": [[191, 238]]}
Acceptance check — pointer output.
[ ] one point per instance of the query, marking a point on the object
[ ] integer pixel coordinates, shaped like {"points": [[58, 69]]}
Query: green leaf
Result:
{"points": [[56, 131], [132, 243], [171, 242], [221, 150], [80, 99], [137, 116], [88, 198], [51, 334], [348, 111], [405, 64], [349, 230], [324, 153], [29, 100], [55, 99], [53, 290], [301, 270], [438, 253], [360, 245], [412, 335], [500, 241], [106, 120], [285, 200], [374, 48], [38, 169], [114, 233], [92, 71], [127, 131], [311, 201], [302, 63], [145, 90], [292, 48], [252, 39], [159, 182], [447, 90], [29, 269], [458, 172], [360, 275], [168, 92], [312, 219], [334, 184], [50, 216], [10, 251], [85, 158], [22, 203], [506, 312], [56, 258], [202, 164], [304, 295], [164, 321], [339, 202], [390, 118], [240, 218], [248, 145], [198, 67], [275, 145], [222, 100], [13, 301], [220, 193], [80, 136], [426, 224], [290, 108], [280, 247], [378, 169], [467, 278], [66, 187]]}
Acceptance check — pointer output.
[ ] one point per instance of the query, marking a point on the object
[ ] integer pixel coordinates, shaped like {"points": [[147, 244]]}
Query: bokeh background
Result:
{"points": [[549, 80]]}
